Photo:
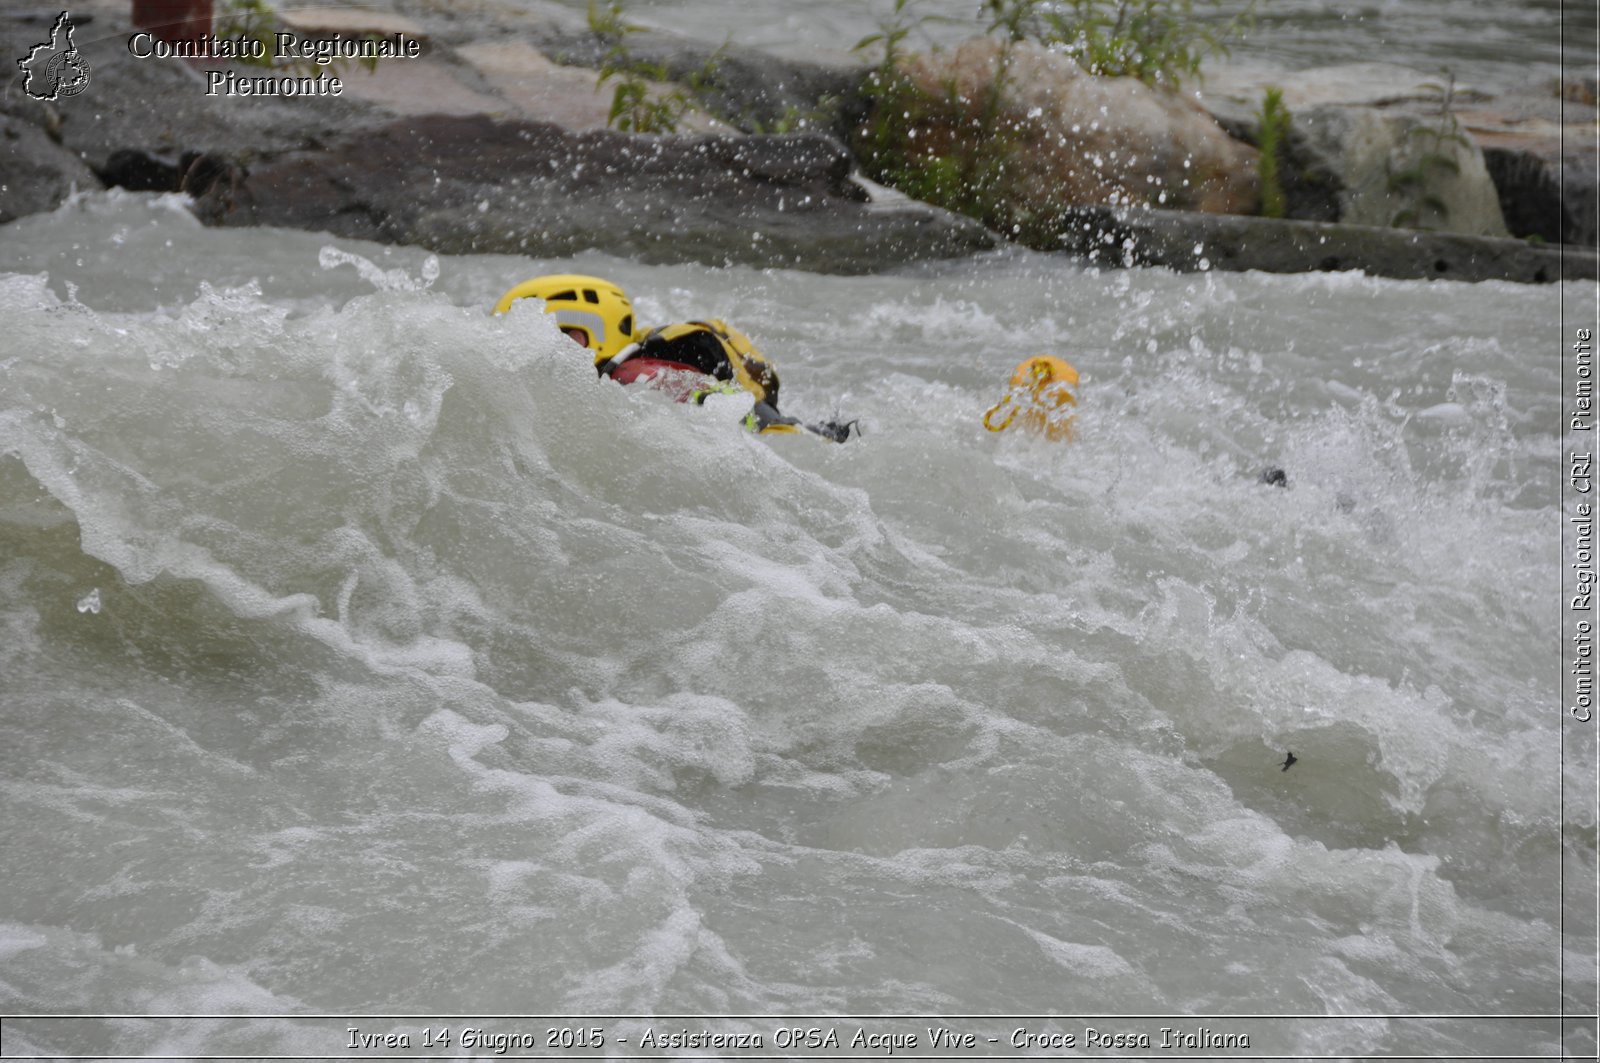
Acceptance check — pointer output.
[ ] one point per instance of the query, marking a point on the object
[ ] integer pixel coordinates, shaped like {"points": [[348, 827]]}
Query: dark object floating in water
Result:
{"points": [[1274, 477], [837, 430], [1289, 761]]}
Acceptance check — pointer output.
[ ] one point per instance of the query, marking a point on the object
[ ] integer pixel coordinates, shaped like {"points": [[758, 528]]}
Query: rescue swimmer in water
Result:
{"points": [[690, 361]]}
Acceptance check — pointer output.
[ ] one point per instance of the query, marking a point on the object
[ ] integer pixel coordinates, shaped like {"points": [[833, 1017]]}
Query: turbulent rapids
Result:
{"points": [[363, 652]]}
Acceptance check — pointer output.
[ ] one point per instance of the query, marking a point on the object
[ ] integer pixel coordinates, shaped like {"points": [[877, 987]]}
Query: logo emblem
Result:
{"points": [[55, 69]]}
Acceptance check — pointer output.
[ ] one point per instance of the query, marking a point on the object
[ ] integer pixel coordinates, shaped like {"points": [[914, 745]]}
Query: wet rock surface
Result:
{"points": [[1195, 242], [1545, 195], [1358, 128], [1069, 137], [476, 184], [36, 173], [485, 144], [161, 106], [1394, 167], [462, 182]]}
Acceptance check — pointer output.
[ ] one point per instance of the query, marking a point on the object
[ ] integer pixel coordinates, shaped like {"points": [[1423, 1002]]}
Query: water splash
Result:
{"points": [[390, 280], [635, 685]]}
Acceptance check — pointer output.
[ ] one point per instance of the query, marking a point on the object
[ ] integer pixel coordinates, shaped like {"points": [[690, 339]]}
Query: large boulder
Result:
{"points": [[1546, 192], [159, 107], [36, 173], [1540, 151], [1407, 170], [475, 184], [1233, 91], [380, 162], [1186, 242], [1067, 138], [1371, 144]]}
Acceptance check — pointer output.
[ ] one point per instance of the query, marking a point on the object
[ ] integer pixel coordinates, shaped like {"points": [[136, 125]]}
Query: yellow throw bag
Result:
{"points": [[1039, 399]]}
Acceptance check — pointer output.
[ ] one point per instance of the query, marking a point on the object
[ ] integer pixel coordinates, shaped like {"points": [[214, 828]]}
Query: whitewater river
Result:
{"points": [[365, 655]]}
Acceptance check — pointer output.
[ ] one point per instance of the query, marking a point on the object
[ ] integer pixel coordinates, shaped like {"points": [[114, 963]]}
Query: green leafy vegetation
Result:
{"points": [[644, 99], [891, 94], [1416, 184], [910, 142], [636, 105], [1156, 41], [963, 170], [792, 119], [647, 97], [1273, 126]]}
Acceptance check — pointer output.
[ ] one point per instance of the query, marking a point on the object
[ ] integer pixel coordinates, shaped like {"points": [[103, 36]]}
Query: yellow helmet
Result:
{"points": [[596, 308]]}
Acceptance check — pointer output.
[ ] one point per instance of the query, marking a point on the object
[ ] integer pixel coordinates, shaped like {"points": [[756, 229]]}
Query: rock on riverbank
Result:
{"points": [[1064, 137], [1362, 134], [476, 184], [484, 144], [1191, 242], [381, 162]]}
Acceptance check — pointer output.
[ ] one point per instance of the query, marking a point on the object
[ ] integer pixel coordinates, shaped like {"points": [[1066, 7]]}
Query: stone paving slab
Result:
{"points": [[420, 86], [349, 22], [569, 96]]}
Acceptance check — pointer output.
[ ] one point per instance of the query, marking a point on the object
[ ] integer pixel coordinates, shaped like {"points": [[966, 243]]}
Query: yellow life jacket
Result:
{"points": [[714, 348], [726, 355]]}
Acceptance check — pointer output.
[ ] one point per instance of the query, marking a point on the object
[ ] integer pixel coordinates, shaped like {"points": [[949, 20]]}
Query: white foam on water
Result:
{"points": [[428, 665]]}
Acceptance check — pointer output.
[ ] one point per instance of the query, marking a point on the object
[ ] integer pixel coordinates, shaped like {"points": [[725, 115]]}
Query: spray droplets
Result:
{"points": [[390, 280]]}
